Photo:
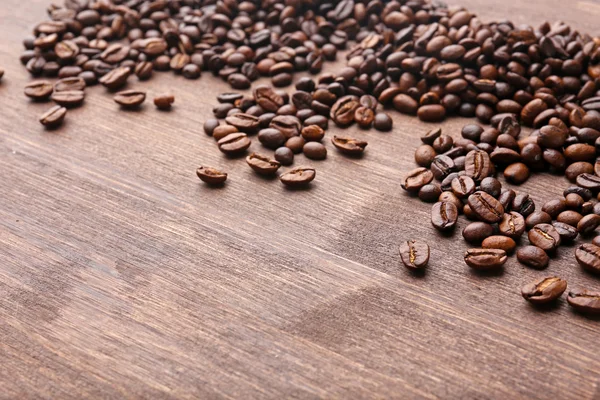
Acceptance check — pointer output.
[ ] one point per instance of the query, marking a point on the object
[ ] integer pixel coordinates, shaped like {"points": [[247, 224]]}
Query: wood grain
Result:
{"points": [[123, 276]]}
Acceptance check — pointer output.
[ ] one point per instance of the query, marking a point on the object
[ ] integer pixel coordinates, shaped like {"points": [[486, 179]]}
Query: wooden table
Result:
{"points": [[123, 276]]}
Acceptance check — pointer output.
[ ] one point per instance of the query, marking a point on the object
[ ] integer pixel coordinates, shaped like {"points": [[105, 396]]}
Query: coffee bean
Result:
{"points": [[271, 138], [53, 117], [298, 177], [364, 117], [463, 186], [210, 125], [69, 98], [211, 176], [314, 151], [487, 208], [165, 102], [313, 133], [143, 70], [512, 225], [284, 155], [588, 256], [589, 181], [569, 217], [383, 122], [499, 242], [443, 144], [442, 166], [223, 130], [431, 136], [130, 98], [342, 111], [116, 78], [246, 123], [444, 216], [523, 204], [75, 83], [238, 81], [505, 198], [477, 231], [516, 173], [424, 155], [584, 301], [478, 165], [234, 143], [544, 290], [262, 165], [414, 254], [295, 143], [545, 237], [567, 232], [533, 257], [430, 193], [39, 90], [348, 145], [554, 207], [537, 217], [431, 113], [588, 224], [288, 125], [485, 259], [267, 98]]}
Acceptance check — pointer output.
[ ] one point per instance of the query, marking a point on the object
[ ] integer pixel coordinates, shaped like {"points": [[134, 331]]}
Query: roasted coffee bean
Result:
{"points": [[512, 225], [588, 224], [287, 124], [544, 290], [211, 176], [431, 135], [588, 256], [116, 78], [485, 259], [191, 71], [537, 217], [262, 165], [589, 181], [165, 102], [431, 113], [244, 122], [574, 201], [499, 242], [342, 112], [296, 144], [463, 186], [267, 98], [584, 301], [516, 173], [229, 97], [544, 236], [234, 143], [210, 125], [69, 98], [383, 122], [298, 177], [313, 133], [430, 193], [238, 81], [533, 257], [444, 216], [443, 143], [491, 186], [284, 155], [578, 168], [348, 145], [143, 70], [442, 166], [39, 90], [315, 151], [567, 232], [364, 117], [424, 155], [569, 217], [586, 194], [478, 165], [130, 98], [414, 254], [554, 207], [223, 130], [505, 198], [53, 117], [271, 138], [476, 232], [221, 110], [75, 83], [487, 208], [523, 204]]}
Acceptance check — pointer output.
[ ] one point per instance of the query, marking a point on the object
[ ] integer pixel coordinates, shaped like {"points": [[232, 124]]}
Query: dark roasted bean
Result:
{"points": [[298, 177], [544, 290], [444, 215], [414, 254], [211, 176], [485, 259], [533, 257]]}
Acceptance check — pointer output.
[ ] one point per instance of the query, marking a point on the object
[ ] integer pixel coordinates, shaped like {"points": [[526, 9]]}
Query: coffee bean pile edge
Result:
{"points": [[419, 57]]}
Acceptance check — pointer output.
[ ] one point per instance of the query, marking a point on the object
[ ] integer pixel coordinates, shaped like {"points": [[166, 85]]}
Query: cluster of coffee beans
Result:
{"points": [[292, 124]]}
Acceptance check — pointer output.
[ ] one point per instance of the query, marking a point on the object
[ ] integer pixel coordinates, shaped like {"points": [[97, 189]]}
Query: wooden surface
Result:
{"points": [[123, 276]]}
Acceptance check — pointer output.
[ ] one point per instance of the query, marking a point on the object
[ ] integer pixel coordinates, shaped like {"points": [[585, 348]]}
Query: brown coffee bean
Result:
{"points": [[545, 237], [234, 143], [295, 143], [544, 290], [588, 256], [499, 242], [431, 113], [443, 143], [424, 155], [584, 301], [116, 78], [164, 101], [223, 130], [39, 90], [478, 165], [414, 254], [588, 224], [246, 123], [364, 117], [533, 257], [405, 104], [485, 259], [271, 138], [569, 217], [211, 176], [53, 117], [298, 177], [512, 225], [288, 125], [313, 133], [554, 207], [416, 179], [342, 112], [444, 216], [262, 165], [239, 81], [130, 98], [348, 145], [431, 135], [442, 166], [284, 155], [516, 173], [143, 70], [430, 193], [477, 231], [487, 208], [531, 110], [69, 98], [463, 186], [589, 181], [267, 98], [537, 217], [567, 233], [578, 168], [523, 204], [383, 122], [315, 151]]}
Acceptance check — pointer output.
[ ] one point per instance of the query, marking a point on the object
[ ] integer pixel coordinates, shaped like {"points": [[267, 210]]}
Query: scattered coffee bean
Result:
{"points": [[444, 215], [416, 179], [284, 155], [211, 176], [298, 177], [584, 301], [130, 98], [487, 208], [234, 143], [477, 231], [165, 102], [485, 259], [262, 165], [544, 290], [588, 256], [533, 257], [53, 117], [69, 98], [414, 254], [348, 145], [39, 90], [315, 151], [383, 122], [499, 242]]}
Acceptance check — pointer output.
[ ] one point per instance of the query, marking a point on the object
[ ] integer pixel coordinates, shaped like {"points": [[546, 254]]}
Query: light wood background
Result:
{"points": [[123, 276]]}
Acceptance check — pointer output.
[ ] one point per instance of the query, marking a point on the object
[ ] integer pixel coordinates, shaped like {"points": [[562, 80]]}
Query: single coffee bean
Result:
{"points": [[296, 144], [342, 112], [516, 173], [512, 225], [364, 117], [443, 143], [74, 83], [485, 259], [221, 110], [271, 138], [569, 217], [478, 165], [588, 256], [211, 176], [287, 124], [414, 254], [313, 133], [165, 102], [487, 208], [533, 257], [383, 122], [262, 165], [318, 120], [284, 155], [537, 217], [69, 98], [130, 98], [315, 151], [246, 123], [567, 233], [430, 193], [545, 237], [424, 155], [463, 186], [477, 231], [223, 130], [450, 197], [210, 125], [348, 145], [444, 216], [584, 301], [523, 204], [230, 97], [544, 290], [53, 117], [499, 242], [116, 78], [554, 207], [506, 198], [298, 177], [234, 143], [238, 81], [267, 98], [442, 166], [431, 135], [588, 224], [586, 194], [431, 113], [589, 181], [578, 168], [39, 90], [143, 70]]}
